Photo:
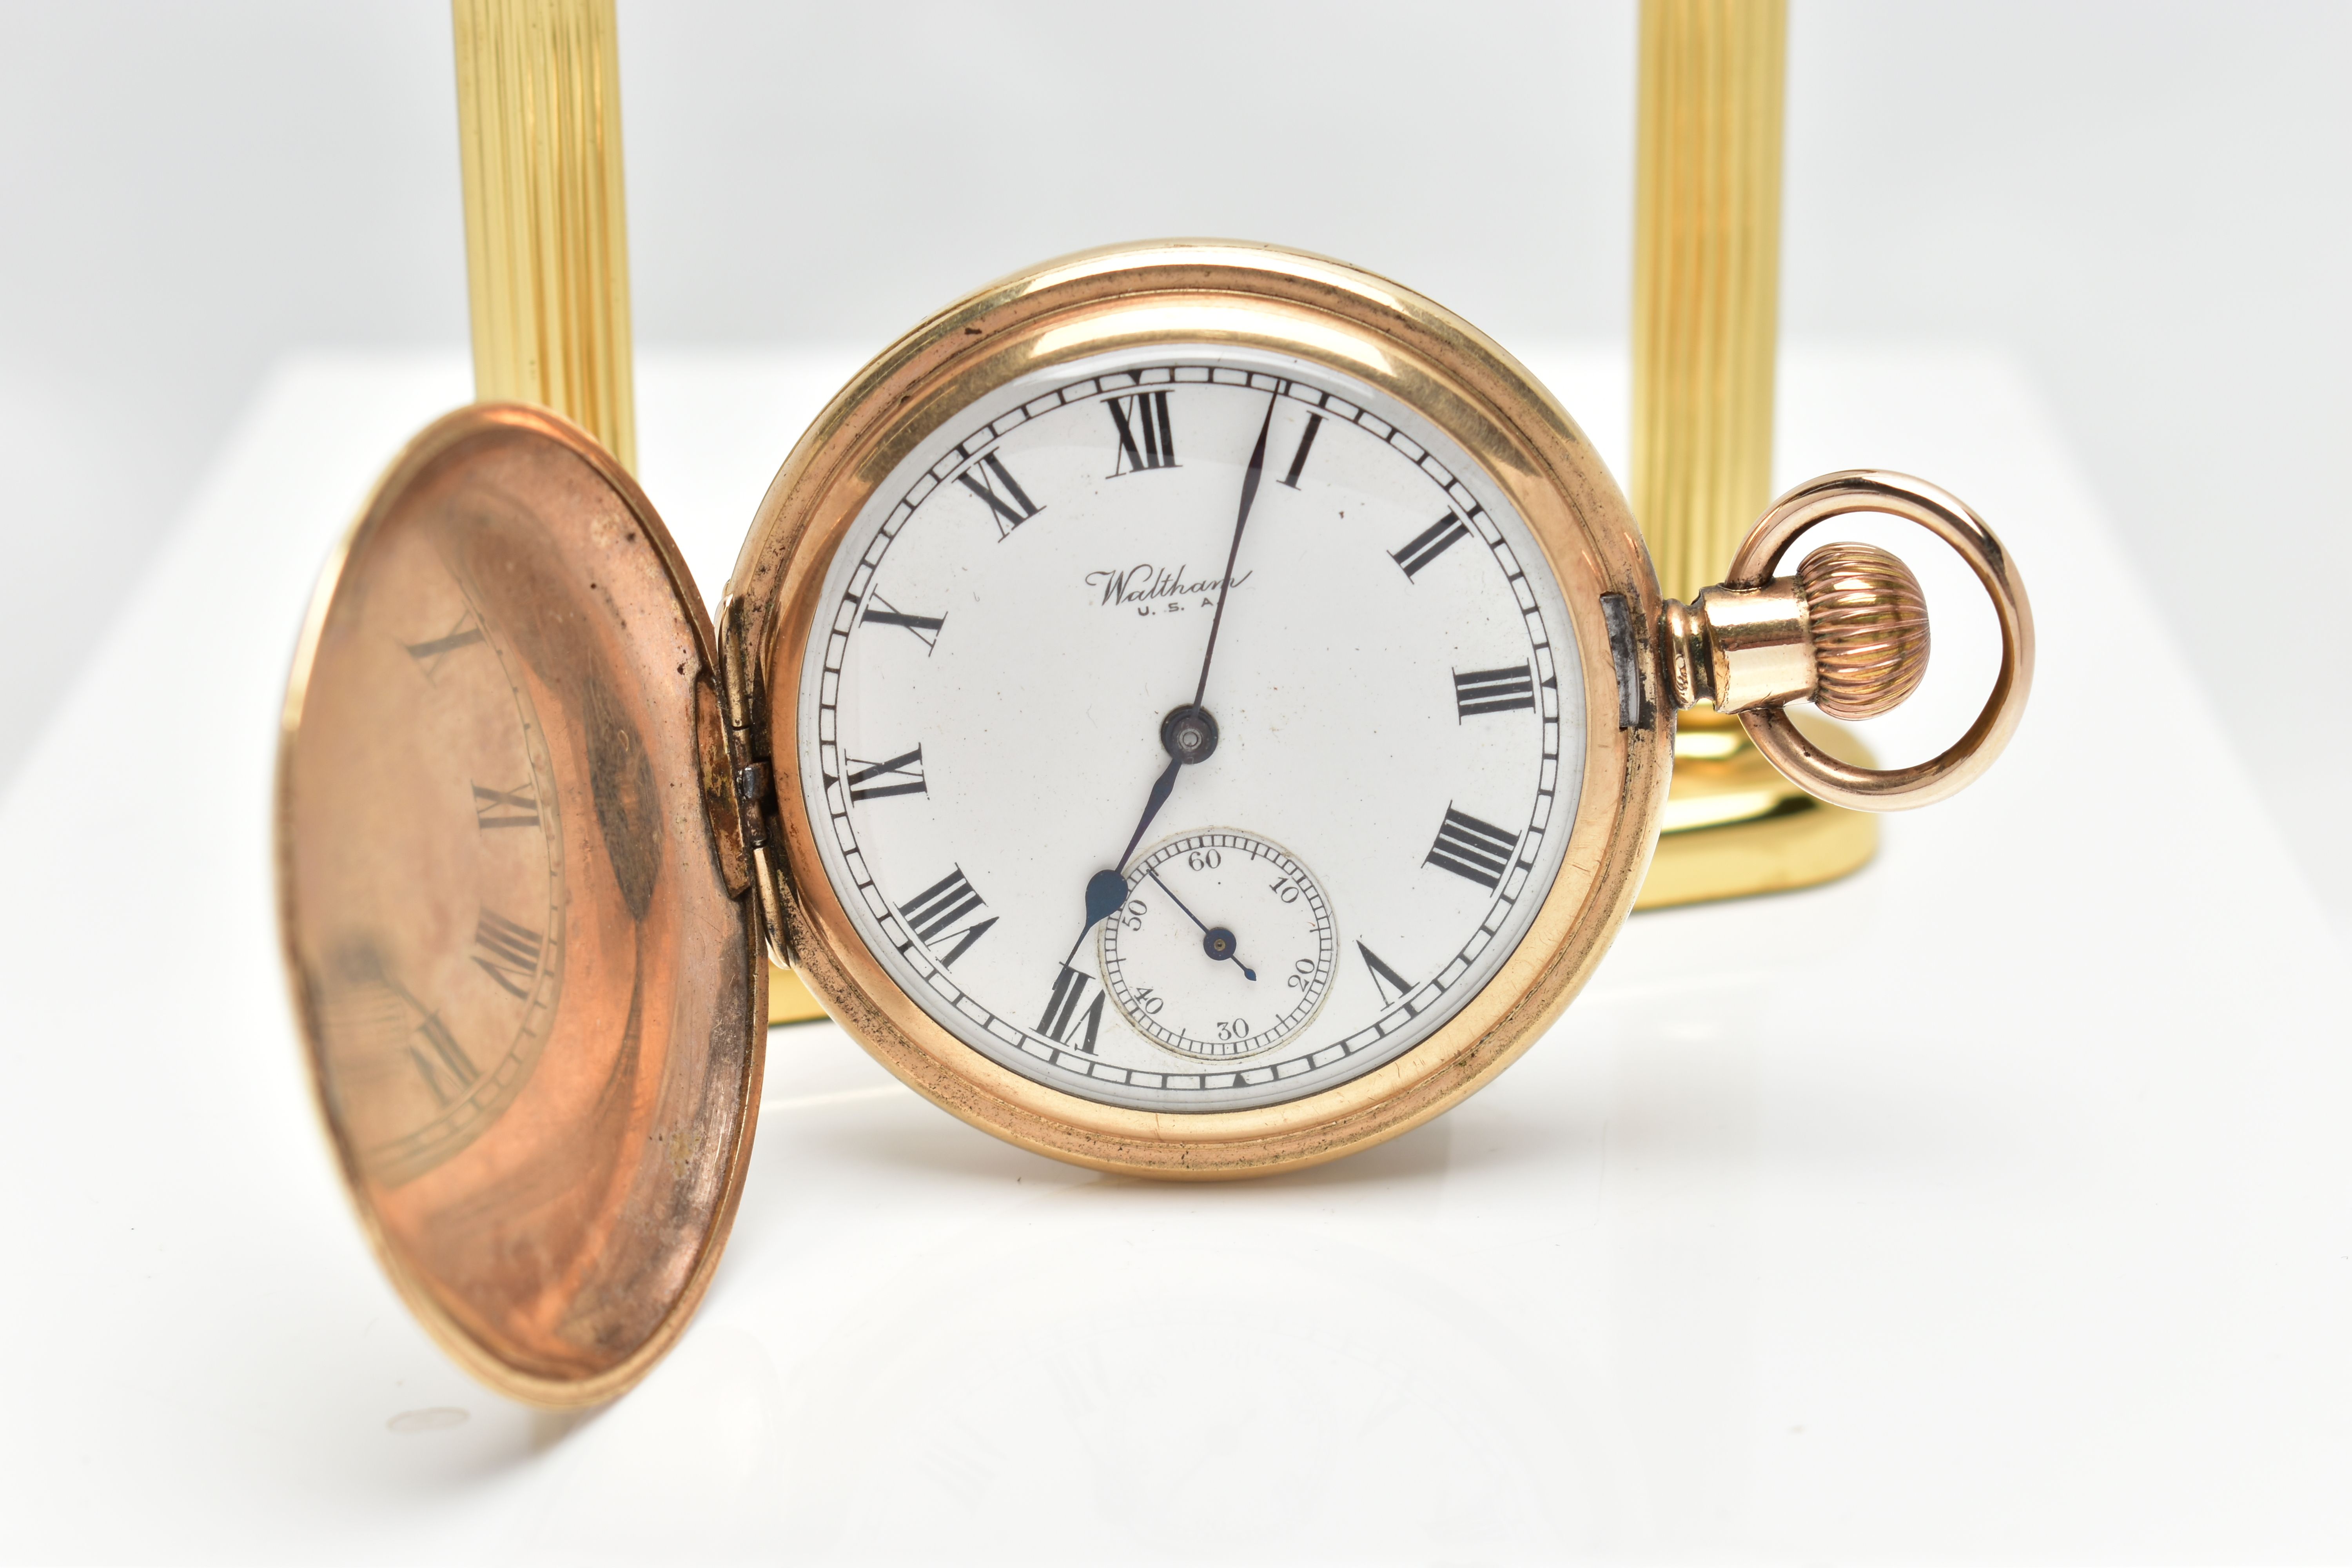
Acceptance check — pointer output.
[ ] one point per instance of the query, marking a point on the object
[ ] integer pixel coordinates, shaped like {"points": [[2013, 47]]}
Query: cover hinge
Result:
{"points": [[738, 673], [751, 796], [720, 806]]}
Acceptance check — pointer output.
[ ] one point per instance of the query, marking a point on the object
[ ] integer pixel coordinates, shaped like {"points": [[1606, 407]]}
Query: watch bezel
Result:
{"points": [[1230, 294]]}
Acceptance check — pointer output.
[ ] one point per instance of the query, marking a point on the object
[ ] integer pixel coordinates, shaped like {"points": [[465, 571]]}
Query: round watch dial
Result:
{"points": [[1383, 685]]}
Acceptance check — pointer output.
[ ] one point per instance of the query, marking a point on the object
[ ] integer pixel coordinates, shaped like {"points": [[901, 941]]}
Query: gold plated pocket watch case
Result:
{"points": [[1164, 311], [539, 823], [524, 959]]}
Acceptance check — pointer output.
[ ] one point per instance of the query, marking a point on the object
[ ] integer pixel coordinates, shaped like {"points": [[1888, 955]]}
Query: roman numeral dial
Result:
{"points": [[1016, 819], [1306, 444], [1146, 438], [1477, 851], [993, 483], [926, 630], [1430, 544], [1477, 693], [933, 914], [901, 774], [1390, 985], [1070, 1018]]}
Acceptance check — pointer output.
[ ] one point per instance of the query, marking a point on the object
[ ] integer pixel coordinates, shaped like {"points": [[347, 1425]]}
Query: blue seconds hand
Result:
{"points": [[1210, 943]]}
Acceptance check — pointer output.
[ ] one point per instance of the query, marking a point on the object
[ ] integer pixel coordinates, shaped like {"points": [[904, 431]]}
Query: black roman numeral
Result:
{"points": [[505, 808], [902, 775], [1062, 1016], [1478, 691], [429, 655], [1146, 438], [924, 627], [933, 912], [1430, 544], [446, 1060], [1469, 848], [1306, 444], [1012, 508], [506, 953], [1384, 979]]}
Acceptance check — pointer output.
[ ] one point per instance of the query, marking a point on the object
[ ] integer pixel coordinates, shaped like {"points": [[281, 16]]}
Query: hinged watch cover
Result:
{"points": [[504, 780]]}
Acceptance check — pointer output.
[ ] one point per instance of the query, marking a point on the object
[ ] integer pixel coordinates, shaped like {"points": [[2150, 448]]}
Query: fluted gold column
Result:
{"points": [[547, 236], [547, 253], [1707, 278], [1706, 294]]}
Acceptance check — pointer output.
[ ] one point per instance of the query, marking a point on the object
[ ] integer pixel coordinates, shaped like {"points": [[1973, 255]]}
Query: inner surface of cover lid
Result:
{"points": [[525, 960]]}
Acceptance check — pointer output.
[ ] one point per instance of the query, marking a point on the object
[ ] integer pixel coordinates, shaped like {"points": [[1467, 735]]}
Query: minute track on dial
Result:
{"points": [[1357, 701]]}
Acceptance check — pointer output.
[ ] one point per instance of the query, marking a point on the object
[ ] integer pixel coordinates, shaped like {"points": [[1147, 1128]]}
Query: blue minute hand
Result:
{"points": [[1234, 554], [1106, 890]]}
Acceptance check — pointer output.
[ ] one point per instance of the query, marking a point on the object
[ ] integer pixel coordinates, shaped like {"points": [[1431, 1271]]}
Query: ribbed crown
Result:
{"points": [[1869, 624]]}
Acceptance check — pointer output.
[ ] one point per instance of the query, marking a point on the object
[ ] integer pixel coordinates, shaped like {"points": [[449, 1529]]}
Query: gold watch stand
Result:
{"points": [[547, 275], [547, 253], [1707, 278], [1733, 825]]}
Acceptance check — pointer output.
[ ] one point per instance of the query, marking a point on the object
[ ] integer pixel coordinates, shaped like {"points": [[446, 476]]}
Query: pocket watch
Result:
{"points": [[1194, 709]]}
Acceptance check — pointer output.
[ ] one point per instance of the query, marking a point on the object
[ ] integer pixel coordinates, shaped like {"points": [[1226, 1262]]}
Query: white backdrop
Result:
{"points": [[2146, 204]]}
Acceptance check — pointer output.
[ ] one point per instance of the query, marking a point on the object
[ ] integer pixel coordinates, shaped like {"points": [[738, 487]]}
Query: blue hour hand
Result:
{"points": [[1106, 890]]}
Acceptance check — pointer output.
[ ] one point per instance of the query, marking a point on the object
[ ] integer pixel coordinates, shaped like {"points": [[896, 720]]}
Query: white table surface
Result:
{"points": [[1995, 1203]]}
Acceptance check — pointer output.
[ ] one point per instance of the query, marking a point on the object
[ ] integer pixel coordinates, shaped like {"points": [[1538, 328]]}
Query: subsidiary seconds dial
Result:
{"points": [[1223, 948]]}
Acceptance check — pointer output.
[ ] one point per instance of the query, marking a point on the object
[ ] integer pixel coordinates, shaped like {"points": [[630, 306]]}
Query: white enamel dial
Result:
{"points": [[1026, 603], [1223, 948]]}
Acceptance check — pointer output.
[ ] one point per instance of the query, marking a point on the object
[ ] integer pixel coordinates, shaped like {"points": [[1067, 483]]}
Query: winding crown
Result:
{"points": [[1848, 633], [1868, 621]]}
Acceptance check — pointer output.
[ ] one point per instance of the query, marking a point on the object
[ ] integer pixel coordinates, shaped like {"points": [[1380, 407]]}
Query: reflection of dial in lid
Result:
{"points": [[523, 944], [1223, 947], [437, 989]]}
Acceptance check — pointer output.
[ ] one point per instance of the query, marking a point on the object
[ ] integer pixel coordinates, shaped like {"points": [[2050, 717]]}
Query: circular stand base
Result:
{"points": [[1734, 826]]}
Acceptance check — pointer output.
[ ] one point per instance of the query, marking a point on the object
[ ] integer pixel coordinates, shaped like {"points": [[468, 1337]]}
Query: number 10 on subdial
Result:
{"points": [[1223, 948]]}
